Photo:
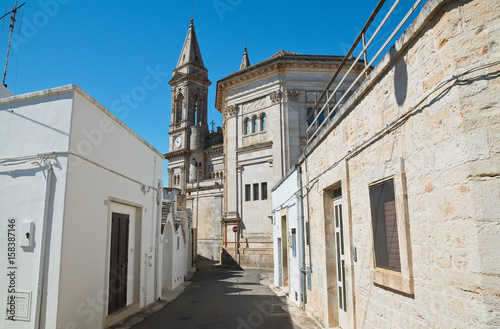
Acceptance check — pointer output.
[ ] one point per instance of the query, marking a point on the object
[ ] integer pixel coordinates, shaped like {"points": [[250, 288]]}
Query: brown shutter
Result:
{"points": [[391, 229], [118, 264]]}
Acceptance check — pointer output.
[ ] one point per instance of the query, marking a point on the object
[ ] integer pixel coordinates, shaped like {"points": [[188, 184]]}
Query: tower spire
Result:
{"points": [[190, 53], [245, 62]]}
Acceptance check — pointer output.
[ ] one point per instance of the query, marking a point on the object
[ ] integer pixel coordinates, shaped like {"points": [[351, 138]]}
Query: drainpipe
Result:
{"points": [[158, 268], [302, 255], [43, 245]]}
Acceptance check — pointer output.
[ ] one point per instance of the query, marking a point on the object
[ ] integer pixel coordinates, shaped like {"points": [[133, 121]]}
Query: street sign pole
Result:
{"points": [[235, 230]]}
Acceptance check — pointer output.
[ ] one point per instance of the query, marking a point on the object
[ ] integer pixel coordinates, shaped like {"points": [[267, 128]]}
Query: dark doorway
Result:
{"points": [[118, 264]]}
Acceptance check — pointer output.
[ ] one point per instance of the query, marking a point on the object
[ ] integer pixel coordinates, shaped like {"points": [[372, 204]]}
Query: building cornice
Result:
{"points": [[254, 147], [176, 154], [276, 64], [214, 149]]}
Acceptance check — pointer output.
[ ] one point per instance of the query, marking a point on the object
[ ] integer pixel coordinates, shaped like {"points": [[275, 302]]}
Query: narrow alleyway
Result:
{"points": [[220, 298]]}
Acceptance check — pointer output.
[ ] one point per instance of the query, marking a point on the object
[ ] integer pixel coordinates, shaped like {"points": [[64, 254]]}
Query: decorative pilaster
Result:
{"points": [[170, 172], [183, 180]]}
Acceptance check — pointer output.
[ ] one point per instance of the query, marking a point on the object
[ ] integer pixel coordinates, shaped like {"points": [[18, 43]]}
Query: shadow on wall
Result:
{"points": [[400, 81], [227, 260]]}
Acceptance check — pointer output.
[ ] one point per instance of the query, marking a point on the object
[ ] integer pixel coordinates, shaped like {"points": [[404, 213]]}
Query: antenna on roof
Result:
{"points": [[192, 9], [12, 22], [245, 36]]}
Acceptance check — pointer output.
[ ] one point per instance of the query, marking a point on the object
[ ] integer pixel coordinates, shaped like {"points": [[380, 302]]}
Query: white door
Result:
{"points": [[341, 263]]}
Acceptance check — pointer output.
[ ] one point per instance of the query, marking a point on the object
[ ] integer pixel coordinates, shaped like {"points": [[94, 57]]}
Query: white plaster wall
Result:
{"points": [[120, 167], [177, 265], [284, 198], [255, 212], [181, 250], [30, 126]]}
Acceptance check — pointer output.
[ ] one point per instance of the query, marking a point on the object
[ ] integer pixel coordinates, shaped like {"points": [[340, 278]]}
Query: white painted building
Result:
{"points": [[80, 202], [288, 246], [176, 246]]}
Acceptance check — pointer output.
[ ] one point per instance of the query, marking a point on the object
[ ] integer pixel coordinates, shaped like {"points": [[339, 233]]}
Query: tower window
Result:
{"points": [[263, 122], [179, 108], [197, 114]]}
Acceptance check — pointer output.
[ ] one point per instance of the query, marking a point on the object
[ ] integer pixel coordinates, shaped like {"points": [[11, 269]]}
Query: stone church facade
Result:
{"points": [[226, 176], [264, 107], [195, 153]]}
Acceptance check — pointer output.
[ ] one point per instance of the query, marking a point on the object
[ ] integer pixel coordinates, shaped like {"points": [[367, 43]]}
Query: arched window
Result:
{"points": [[179, 108], [263, 122], [246, 127], [197, 114], [254, 124]]}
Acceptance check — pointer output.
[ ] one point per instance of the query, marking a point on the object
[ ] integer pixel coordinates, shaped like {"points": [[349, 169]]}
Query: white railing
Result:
{"points": [[315, 126]]}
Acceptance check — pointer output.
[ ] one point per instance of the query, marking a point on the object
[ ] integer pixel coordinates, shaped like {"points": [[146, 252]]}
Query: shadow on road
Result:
{"points": [[222, 297]]}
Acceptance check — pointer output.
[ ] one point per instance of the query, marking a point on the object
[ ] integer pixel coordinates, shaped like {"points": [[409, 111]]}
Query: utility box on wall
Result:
{"points": [[27, 234]]}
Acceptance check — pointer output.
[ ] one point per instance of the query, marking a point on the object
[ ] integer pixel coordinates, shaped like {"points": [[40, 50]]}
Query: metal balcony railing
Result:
{"points": [[316, 119]]}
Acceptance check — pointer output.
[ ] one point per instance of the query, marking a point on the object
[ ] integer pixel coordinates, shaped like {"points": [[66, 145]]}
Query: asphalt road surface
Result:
{"points": [[220, 298]]}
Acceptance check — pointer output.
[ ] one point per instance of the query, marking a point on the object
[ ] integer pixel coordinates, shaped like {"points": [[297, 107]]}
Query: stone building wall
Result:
{"points": [[447, 153], [207, 217]]}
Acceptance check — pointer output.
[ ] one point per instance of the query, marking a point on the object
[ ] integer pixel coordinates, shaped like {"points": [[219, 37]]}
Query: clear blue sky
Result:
{"points": [[106, 47]]}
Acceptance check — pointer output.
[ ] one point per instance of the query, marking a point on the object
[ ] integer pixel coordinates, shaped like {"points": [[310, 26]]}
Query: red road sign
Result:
{"points": [[235, 229]]}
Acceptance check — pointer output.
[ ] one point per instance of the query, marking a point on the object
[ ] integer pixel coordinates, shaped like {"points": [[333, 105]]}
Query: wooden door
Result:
{"points": [[118, 264]]}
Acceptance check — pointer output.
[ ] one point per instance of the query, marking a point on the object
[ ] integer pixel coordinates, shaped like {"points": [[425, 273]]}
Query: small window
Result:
{"points": [[263, 191], [294, 243], [246, 127], [255, 124], [384, 223], [321, 117], [178, 243], [256, 191], [247, 192], [311, 118], [263, 122]]}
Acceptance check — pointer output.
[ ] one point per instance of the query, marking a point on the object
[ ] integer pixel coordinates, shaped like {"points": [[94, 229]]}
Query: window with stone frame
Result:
{"points": [[384, 225], [247, 192], [388, 205], [256, 191], [246, 126], [263, 188], [255, 124], [263, 122]]}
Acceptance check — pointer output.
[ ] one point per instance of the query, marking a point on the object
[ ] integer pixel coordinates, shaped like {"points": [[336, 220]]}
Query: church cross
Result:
{"points": [[213, 124]]}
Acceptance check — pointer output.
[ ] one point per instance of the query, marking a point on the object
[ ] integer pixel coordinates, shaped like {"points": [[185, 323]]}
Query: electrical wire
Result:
{"points": [[44, 157], [394, 124]]}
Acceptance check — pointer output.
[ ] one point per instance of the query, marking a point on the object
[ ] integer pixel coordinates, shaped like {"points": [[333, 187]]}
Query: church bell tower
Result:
{"points": [[188, 121]]}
